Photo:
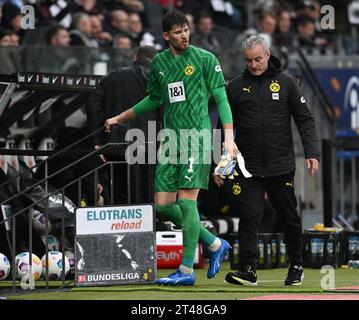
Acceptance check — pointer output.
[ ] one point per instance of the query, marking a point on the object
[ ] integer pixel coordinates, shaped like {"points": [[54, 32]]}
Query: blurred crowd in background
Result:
{"points": [[216, 25]]}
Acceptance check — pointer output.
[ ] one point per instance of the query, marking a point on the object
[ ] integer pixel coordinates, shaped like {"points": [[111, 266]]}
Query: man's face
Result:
{"points": [[205, 25], [16, 23], [135, 22], [123, 43], [62, 39], [5, 41], [257, 59], [306, 31], [284, 22], [15, 40], [178, 38], [313, 10], [96, 24], [120, 20], [268, 24]]}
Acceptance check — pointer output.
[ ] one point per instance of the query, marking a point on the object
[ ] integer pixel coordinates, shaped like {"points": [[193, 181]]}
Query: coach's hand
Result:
{"points": [[313, 166], [217, 180]]}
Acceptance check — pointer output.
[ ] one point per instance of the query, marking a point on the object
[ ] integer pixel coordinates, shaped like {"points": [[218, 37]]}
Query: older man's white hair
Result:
{"points": [[252, 41]]}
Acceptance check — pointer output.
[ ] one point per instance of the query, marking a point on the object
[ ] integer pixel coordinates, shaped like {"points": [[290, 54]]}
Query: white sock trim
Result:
{"points": [[215, 245], [185, 269]]}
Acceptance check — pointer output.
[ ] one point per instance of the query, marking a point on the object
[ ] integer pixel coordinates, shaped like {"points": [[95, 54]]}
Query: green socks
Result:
{"points": [[173, 213], [185, 214], [190, 230]]}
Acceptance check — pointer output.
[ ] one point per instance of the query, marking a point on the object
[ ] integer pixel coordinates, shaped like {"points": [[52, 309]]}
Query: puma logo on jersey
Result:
{"points": [[290, 184], [162, 73], [188, 178], [247, 89]]}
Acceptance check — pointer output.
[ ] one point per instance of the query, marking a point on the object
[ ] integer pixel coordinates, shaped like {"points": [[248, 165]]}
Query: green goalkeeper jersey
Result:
{"points": [[183, 85]]}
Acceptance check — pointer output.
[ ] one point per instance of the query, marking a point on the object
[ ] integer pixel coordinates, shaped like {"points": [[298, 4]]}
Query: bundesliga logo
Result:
{"points": [[108, 277]]}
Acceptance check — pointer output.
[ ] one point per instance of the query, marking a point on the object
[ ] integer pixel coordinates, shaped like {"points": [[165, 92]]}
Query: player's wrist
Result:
{"points": [[119, 119], [228, 135]]}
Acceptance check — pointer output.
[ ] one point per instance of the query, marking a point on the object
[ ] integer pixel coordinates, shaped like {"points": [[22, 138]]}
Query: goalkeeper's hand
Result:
{"points": [[112, 122], [230, 146]]}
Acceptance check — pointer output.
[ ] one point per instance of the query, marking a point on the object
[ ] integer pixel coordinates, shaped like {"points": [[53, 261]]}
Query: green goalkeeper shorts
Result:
{"points": [[188, 173]]}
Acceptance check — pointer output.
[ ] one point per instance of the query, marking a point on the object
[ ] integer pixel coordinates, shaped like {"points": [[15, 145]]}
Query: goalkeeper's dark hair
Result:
{"points": [[173, 18]]}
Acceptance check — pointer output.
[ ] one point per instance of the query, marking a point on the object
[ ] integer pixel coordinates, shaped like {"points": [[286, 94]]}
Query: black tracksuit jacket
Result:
{"points": [[262, 107], [117, 92]]}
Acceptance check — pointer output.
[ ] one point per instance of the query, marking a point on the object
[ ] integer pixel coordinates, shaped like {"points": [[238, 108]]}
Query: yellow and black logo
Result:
{"points": [[274, 86], [289, 184], [236, 189], [189, 70]]}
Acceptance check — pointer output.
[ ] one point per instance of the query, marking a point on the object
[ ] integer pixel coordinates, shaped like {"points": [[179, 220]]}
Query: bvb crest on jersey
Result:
{"points": [[189, 70], [274, 86], [236, 189]]}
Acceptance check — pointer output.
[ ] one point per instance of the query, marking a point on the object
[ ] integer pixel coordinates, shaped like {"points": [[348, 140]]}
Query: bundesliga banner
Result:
{"points": [[115, 245], [104, 220]]}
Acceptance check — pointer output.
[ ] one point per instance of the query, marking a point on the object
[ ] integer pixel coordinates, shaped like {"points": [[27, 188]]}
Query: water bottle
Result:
{"points": [[356, 248], [320, 250], [314, 249], [353, 264], [274, 251], [351, 247], [261, 252], [236, 251], [269, 252], [282, 250], [330, 249]]}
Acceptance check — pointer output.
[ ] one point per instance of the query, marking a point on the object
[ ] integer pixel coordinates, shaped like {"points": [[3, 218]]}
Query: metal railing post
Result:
{"points": [[30, 271], [13, 220], [111, 184], [328, 199], [63, 239], [46, 228]]}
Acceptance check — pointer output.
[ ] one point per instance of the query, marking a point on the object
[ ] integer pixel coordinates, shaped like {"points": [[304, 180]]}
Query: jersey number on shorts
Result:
{"points": [[176, 92], [190, 168]]}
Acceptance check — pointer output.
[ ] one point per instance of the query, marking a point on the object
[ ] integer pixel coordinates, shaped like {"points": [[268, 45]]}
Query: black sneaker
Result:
{"points": [[246, 276], [295, 276]]}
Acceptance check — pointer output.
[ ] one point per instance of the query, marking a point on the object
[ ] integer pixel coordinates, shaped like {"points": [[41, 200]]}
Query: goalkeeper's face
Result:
{"points": [[178, 38]]}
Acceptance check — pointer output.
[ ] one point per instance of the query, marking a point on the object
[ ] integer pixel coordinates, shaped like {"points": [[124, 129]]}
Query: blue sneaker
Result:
{"points": [[177, 279], [215, 260]]}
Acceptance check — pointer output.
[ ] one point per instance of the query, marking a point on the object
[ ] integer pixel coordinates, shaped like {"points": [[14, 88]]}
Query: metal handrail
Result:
{"points": [[59, 189], [54, 174], [323, 98], [40, 163]]}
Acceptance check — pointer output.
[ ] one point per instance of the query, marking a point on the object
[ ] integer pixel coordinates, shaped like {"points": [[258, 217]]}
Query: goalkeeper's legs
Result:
{"points": [[184, 213], [173, 213]]}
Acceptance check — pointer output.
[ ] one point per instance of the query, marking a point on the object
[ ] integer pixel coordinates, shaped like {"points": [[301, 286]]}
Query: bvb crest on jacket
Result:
{"points": [[274, 86], [236, 189]]}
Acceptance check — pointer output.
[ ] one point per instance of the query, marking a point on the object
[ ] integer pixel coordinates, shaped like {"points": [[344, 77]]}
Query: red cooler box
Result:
{"points": [[169, 247]]}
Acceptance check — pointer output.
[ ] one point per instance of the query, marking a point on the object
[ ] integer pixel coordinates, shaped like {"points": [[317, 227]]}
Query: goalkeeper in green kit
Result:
{"points": [[182, 78]]}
